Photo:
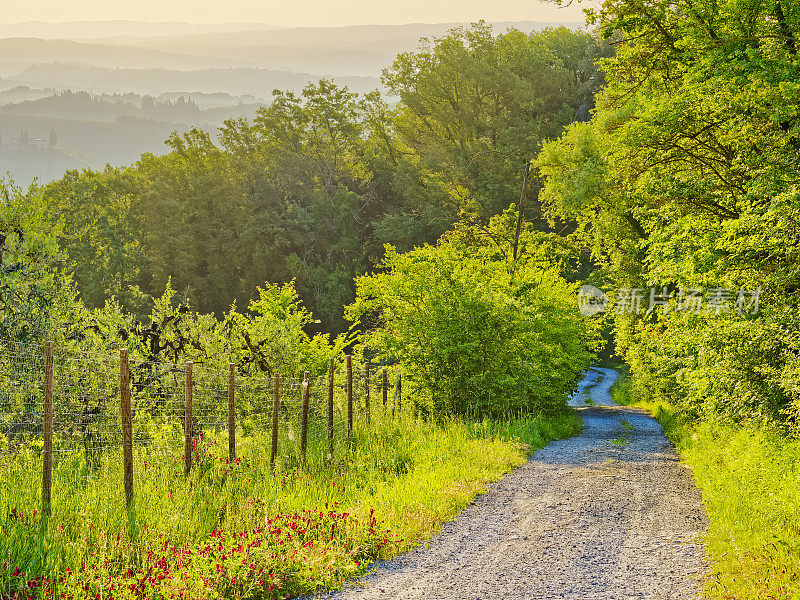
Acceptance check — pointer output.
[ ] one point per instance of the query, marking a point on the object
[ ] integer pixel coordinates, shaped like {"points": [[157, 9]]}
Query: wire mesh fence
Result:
{"points": [[80, 418]]}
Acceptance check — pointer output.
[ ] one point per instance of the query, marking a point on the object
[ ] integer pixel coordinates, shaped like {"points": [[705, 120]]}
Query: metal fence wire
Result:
{"points": [[79, 415]]}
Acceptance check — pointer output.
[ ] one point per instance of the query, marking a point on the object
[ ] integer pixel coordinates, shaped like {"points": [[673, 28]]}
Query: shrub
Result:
{"points": [[475, 332]]}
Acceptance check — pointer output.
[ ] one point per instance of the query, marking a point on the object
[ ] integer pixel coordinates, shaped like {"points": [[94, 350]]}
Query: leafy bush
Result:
{"points": [[475, 332], [719, 367]]}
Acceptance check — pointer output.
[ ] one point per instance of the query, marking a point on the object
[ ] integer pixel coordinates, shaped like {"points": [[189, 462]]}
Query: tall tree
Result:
{"points": [[476, 107]]}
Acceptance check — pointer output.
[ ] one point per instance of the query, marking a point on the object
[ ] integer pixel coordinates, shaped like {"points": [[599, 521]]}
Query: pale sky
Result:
{"points": [[290, 13]]}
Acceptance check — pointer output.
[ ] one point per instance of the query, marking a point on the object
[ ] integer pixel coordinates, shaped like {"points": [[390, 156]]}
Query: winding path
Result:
{"points": [[609, 514]]}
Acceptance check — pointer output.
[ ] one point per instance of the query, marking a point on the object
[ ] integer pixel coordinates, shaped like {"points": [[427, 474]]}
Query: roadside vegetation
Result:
{"points": [[447, 236], [475, 406], [240, 530], [749, 475], [684, 183]]}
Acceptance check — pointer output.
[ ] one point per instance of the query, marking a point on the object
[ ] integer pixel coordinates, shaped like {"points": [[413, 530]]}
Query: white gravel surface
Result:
{"points": [[610, 514]]}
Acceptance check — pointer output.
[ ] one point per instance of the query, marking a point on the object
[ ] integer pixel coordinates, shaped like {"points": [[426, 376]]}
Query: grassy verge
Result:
{"points": [[750, 480], [241, 530]]}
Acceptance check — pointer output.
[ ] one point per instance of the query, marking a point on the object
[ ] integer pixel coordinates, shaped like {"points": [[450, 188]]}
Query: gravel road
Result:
{"points": [[609, 514]]}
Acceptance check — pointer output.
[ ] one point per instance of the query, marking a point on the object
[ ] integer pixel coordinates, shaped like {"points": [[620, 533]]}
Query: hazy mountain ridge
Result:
{"points": [[29, 51], [239, 81], [22, 93], [353, 50], [341, 37], [179, 110], [77, 30]]}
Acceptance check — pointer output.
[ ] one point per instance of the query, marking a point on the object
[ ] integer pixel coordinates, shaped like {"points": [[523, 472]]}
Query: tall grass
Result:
{"points": [[750, 479], [240, 529]]}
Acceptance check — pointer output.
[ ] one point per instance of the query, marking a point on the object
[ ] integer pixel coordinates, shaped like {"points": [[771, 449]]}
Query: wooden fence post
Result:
{"points": [[349, 365], [385, 386], [398, 397], [366, 391], [231, 412], [187, 423], [47, 455], [127, 424], [330, 407], [276, 404], [304, 418]]}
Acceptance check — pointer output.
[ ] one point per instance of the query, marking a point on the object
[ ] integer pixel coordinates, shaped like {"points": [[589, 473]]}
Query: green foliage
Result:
{"points": [[750, 479], [271, 337], [287, 197], [686, 177], [204, 255], [319, 181], [475, 333], [35, 295], [274, 339], [477, 107], [101, 232]]}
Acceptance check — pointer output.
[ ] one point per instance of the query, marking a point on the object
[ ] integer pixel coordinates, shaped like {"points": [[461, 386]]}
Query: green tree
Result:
{"points": [[475, 333], [687, 177], [101, 233], [312, 189], [35, 294], [476, 107]]}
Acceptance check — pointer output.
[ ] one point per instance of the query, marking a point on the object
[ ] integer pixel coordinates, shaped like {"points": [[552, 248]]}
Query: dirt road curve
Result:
{"points": [[610, 514]]}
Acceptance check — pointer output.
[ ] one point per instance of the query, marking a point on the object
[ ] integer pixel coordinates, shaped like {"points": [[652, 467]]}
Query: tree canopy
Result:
{"points": [[476, 332], [687, 178], [312, 189]]}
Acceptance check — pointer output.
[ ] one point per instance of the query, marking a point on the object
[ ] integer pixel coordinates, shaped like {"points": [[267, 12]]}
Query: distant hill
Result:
{"points": [[256, 82], [196, 75], [331, 37], [41, 138], [80, 144], [29, 51], [354, 50], [169, 108], [22, 93], [104, 29]]}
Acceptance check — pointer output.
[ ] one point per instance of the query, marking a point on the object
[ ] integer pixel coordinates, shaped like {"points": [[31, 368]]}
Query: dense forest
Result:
{"points": [[318, 182], [247, 243], [686, 180]]}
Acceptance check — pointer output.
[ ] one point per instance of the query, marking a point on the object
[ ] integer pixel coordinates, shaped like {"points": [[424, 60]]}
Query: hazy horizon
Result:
{"points": [[278, 25], [314, 13]]}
